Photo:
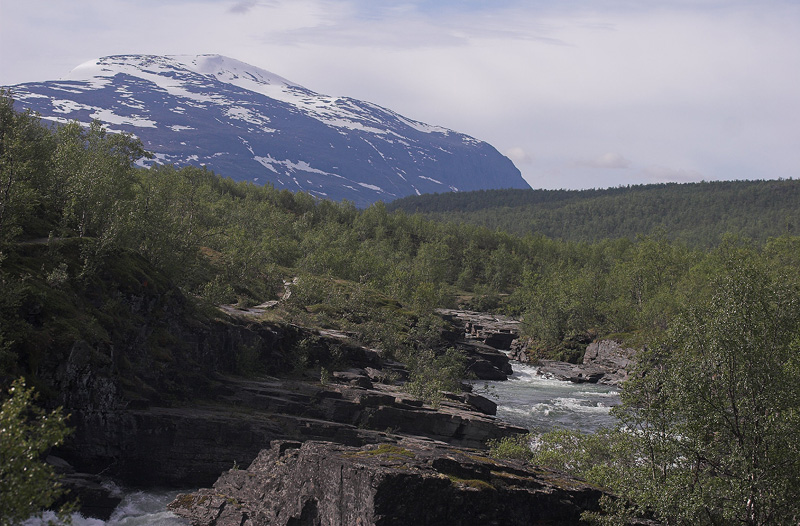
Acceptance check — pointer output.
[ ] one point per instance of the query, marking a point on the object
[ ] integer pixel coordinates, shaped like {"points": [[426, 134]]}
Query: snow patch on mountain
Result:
{"points": [[430, 179], [232, 71], [250, 124], [371, 187], [69, 106], [290, 166]]}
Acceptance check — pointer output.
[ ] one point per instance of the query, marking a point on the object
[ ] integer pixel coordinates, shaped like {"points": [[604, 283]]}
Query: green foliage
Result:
{"points": [[514, 447], [172, 216], [324, 376], [599, 457], [218, 291], [603, 458], [234, 242], [98, 170], [482, 300], [729, 389], [431, 373], [27, 484], [389, 451], [698, 214], [710, 417], [25, 188]]}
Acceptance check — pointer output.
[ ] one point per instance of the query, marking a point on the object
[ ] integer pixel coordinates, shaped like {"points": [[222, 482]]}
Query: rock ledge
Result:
{"points": [[409, 482], [605, 362]]}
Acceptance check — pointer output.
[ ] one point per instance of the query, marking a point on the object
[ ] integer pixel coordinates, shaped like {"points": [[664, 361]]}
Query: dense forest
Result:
{"points": [[698, 214], [72, 200], [233, 242]]}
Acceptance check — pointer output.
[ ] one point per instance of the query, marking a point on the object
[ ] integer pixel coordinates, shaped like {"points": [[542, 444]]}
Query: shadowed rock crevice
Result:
{"points": [[309, 516]]}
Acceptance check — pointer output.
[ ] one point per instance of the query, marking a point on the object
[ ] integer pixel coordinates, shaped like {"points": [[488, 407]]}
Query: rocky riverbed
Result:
{"points": [[347, 415], [426, 468], [605, 361]]}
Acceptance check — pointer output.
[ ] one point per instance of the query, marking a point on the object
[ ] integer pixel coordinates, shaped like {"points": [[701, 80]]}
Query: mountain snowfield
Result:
{"points": [[249, 124]]}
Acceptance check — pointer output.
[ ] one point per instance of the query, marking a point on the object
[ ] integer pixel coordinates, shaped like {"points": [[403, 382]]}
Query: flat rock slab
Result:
{"points": [[191, 445], [410, 482]]}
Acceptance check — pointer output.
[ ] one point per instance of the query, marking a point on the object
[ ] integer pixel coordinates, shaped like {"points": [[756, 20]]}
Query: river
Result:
{"points": [[138, 508], [541, 404]]}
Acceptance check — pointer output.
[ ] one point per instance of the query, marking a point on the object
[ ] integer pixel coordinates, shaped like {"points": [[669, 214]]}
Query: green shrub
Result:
{"points": [[27, 432], [430, 373], [218, 292], [514, 447]]}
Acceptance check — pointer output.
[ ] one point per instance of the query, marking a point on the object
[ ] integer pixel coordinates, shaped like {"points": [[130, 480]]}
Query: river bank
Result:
{"points": [[528, 399], [362, 406]]}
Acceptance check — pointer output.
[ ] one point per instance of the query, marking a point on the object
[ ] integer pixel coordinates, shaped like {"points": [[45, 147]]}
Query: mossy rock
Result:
{"points": [[390, 451], [477, 484]]}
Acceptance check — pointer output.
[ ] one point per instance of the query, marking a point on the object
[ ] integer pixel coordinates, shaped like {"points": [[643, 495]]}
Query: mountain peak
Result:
{"points": [[250, 124], [219, 67], [226, 69]]}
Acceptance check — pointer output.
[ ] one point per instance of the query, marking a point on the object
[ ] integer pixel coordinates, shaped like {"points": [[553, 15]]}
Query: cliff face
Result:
{"points": [[137, 395], [412, 482], [192, 443]]}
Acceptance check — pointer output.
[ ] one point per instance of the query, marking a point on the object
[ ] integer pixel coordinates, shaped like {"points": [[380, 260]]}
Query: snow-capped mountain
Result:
{"points": [[249, 124]]}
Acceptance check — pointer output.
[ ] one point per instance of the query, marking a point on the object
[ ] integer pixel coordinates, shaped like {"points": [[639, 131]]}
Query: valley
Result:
{"points": [[189, 324]]}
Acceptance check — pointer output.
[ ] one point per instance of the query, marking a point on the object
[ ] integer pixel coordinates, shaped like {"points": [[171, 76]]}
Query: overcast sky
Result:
{"points": [[579, 94]]}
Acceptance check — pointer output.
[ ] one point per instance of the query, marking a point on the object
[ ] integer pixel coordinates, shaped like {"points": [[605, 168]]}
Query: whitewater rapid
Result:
{"points": [[540, 404], [138, 508]]}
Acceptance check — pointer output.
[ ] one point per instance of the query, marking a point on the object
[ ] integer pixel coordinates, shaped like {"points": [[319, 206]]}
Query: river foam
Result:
{"points": [[540, 404], [138, 508]]}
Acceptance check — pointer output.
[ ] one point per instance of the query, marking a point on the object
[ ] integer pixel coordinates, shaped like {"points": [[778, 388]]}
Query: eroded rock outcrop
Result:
{"points": [[604, 362], [410, 482], [612, 357], [193, 444], [482, 337], [494, 330]]}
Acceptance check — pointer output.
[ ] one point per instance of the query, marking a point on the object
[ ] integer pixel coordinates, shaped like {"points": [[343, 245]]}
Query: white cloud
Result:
{"points": [[607, 160], [242, 7], [518, 155], [663, 174]]}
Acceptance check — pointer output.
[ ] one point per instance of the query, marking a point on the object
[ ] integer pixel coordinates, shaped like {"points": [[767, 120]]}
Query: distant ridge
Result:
{"points": [[696, 213], [249, 124]]}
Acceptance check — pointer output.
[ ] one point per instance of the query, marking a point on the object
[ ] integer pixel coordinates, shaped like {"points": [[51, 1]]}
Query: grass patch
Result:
{"points": [[478, 484], [390, 451]]}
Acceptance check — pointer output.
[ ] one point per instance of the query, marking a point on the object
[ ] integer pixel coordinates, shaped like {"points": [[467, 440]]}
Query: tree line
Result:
{"points": [[698, 214]]}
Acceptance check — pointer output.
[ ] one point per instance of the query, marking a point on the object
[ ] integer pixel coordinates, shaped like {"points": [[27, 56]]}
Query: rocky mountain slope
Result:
{"points": [[250, 124]]}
